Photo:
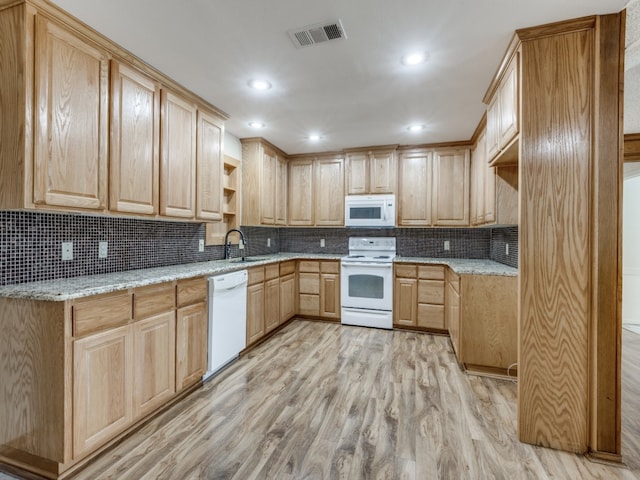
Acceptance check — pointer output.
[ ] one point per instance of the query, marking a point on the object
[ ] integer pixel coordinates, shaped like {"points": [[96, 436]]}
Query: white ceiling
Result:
{"points": [[353, 92]]}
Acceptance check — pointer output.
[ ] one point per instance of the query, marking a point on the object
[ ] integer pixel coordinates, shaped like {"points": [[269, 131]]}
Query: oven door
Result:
{"points": [[367, 285]]}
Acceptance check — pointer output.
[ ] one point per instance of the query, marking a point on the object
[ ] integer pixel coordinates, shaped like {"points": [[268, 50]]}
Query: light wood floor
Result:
{"points": [[320, 400]]}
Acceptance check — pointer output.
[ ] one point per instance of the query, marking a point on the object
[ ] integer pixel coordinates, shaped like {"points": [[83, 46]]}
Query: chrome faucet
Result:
{"points": [[227, 245]]}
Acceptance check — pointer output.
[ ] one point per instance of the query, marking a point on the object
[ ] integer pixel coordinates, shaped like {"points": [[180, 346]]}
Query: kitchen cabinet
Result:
{"points": [[71, 130], [450, 187], [271, 297], [370, 172], [419, 296], [287, 290], [216, 231], [503, 117], [414, 187], [191, 332], [329, 191], [319, 289], [209, 166], [264, 183], [178, 156], [425, 193], [134, 154], [154, 333], [452, 310], [301, 199]]}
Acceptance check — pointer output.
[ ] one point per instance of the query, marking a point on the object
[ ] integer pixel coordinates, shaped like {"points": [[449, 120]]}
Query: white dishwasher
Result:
{"points": [[227, 319]]}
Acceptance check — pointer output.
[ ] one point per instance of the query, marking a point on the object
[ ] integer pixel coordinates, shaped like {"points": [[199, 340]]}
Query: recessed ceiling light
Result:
{"points": [[416, 128], [257, 125], [259, 84], [314, 137], [414, 58]]}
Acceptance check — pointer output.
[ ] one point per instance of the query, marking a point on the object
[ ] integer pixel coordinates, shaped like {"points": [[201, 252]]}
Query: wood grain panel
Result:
{"points": [[301, 193], [134, 142], [329, 191], [309, 283], [431, 291], [209, 167], [255, 313], [153, 299], [407, 271], [450, 205], [100, 312], [178, 156], [271, 304], [330, 267], [71, 128], [382, 171], [271, 271], [255, 275], [287, 297], [405, 301], [309, 266], [632, 147], [267, 186], [431, 316], [282, 192], [34, 416], [191, 290], [330, 295], [357, 176], [554, 277], [287, 267], [431, 272], [309, 304], [414, 188], [191, 344]]}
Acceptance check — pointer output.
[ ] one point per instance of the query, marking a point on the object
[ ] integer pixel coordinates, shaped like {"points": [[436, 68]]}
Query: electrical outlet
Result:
{"points": [[67, 251], [201, 245], [447, 245], [103, 249], [268, 242], [506, 249], [322, 243]]}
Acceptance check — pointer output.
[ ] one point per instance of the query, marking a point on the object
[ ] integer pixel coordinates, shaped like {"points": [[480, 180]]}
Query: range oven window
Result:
{"points": [[365, 213], [366, 286]]}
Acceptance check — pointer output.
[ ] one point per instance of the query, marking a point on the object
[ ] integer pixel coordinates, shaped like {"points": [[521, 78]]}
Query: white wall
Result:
{"points": [[631, 249], [232, 146]]}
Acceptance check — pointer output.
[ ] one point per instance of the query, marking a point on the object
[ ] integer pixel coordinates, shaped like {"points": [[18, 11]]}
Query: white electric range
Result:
{"points": [[366, 282]]}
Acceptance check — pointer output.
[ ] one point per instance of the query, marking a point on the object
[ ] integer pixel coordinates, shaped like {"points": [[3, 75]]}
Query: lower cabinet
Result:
{"points": [[419, 295], [319, 289], [287, 291], [191, 331], [453, 310]]}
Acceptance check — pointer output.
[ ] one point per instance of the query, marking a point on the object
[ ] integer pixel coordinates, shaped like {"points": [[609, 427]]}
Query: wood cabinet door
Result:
{"points": [[287, 297], [329, 188], [178, 157], [479, 167], [451, 187], [330, 295], [271, 304], [508, 99], [301, 193], [102, 383], [452, 312], [414, 198], [209, 167], [309, 293], [268, 187], [490, 195], [135, 141], [357, 175], [430, 316], [154, 362], [255, 313], [405, 301], [382, 172], [191, 344], [493, 127], [281, 191], [71, 119]]}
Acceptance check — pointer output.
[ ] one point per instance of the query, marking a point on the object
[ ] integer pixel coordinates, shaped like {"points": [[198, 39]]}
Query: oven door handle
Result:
{"points": [[367, 264]]}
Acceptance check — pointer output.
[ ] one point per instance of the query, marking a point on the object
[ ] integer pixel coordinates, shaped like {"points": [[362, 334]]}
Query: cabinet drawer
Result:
{"points": [[431, 291], [406, 271], [271, 271], [287, 267], [309, 266], [256, 275], [192, 291], [309, 305], [431, 316], [153, 299], [431, 272], [100, 312], [330, 267], [309, 283]]}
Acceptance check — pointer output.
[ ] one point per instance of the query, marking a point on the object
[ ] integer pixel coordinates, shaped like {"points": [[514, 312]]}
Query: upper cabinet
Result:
{"points": [[371, 172], [135, 129], [264, 183], [426, 192], [88, 127], [71, 123], [503, 114], [301, 193], [178, 156]]}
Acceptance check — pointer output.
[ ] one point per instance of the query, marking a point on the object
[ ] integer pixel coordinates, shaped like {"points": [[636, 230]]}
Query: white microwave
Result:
{"points": [[370, 210]]}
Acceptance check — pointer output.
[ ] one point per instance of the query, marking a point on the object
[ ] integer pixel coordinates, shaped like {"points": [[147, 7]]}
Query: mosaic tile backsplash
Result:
{"points": [[30, 243]]}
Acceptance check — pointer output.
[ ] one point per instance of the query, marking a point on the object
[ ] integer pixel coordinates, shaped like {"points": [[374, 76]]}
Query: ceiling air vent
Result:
{"points": [[318, 33]]}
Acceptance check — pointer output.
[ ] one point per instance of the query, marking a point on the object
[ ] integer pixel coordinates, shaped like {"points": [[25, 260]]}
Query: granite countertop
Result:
{"points": [[84, 286]]}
